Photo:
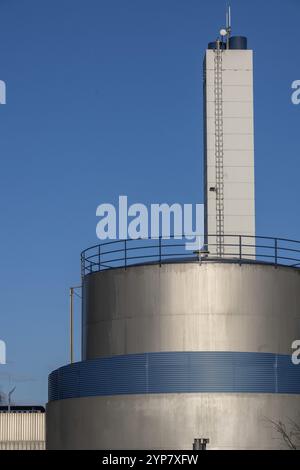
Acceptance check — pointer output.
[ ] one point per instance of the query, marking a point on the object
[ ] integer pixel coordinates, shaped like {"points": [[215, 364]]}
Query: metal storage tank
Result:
{"points": [[178, 345], [175, 350], [238, 42]]}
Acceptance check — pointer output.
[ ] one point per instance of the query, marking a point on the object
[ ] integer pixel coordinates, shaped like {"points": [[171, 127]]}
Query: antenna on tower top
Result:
{"points": [[226, 32], [229, 18]]}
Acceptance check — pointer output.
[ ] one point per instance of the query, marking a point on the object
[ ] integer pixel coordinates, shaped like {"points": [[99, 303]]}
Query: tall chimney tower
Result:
{"points": [[228, 142]]}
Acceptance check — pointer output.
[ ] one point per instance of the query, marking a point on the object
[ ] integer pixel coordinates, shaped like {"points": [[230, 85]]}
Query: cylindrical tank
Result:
{"points": [[213, 45], [237, 42], [177, 352]]}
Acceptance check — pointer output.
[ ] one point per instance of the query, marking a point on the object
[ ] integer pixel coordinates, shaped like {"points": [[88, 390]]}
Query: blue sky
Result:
{"points": [[104, 97]]}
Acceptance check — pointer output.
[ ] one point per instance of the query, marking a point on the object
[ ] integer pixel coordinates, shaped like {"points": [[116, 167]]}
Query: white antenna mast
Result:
{"points": [[228, 25], [226, 32]]}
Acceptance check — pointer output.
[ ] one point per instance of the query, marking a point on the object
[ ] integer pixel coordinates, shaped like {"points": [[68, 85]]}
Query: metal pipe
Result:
{"points": [[71, 325], [71, 292], [200, 444], [9, 398]]}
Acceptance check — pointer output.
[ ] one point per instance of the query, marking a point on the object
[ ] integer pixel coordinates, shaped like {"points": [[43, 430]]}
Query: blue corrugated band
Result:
{"points": [[177, 372]]}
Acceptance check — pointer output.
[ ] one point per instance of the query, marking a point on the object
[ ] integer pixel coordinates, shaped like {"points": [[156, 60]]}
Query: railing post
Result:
{"points": [[99, 257], [160, 250], [125, 247], [71, 326], [276, 251], [240, 248], [82, 265]]}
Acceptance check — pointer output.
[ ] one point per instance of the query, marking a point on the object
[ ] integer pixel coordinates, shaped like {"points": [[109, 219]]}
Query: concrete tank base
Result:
{"points": [[169, 421]]}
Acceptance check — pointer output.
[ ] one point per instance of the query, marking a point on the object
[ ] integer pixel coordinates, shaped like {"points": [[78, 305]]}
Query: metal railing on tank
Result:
{"points": [[161, 250]]}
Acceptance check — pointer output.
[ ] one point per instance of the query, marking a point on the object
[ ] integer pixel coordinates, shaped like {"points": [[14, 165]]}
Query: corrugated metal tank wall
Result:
{"points": [[22, 431]]}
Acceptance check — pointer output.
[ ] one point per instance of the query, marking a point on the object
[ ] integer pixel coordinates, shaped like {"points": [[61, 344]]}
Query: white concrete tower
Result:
{"points": [[228, 143]]}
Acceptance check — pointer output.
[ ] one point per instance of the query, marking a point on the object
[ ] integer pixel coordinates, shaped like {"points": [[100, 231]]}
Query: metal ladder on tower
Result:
{"points": [[219, 151]]}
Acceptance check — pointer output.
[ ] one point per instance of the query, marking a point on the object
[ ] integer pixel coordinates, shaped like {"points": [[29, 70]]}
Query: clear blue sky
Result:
{"points": [[104, 97]]}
